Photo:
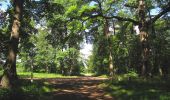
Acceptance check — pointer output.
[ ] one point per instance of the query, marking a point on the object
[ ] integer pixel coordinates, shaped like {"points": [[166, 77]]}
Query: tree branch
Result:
{"points": [[100, 7], [167, 9], [121, 19], [115, 17]]}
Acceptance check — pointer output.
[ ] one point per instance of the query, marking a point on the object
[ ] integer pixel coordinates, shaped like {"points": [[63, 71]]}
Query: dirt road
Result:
{"points": [[82, 88]]}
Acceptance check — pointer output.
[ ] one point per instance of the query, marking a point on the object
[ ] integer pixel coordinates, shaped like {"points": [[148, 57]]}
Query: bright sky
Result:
{"points": [[3, 4], [86, 50]]}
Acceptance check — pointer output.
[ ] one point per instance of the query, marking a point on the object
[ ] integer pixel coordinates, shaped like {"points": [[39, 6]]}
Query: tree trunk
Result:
{"points": [[10, 75], [32, 71], [47, 68], [107, 35], [143, 37], [111, 66]]}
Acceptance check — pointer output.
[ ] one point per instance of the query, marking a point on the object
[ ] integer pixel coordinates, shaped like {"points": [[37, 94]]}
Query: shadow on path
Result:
{"points": [[82, 88]]}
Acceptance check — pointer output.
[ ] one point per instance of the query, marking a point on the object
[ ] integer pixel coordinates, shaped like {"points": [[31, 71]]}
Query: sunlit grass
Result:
{"points": [[26, 90], [103, 76], [87, 74], [43, 75], [138, 89]]}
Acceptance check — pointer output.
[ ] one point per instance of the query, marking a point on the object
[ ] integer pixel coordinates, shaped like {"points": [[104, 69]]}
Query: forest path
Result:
{"points": [[82, 88]]}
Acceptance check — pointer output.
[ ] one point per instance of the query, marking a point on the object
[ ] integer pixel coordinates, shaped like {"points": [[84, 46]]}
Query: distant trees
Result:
{"points": [[53, 45]]}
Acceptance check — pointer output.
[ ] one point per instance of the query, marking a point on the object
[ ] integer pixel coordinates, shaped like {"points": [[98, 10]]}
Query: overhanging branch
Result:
{"points": [[121, 19], [115, 17], [167, 9]]}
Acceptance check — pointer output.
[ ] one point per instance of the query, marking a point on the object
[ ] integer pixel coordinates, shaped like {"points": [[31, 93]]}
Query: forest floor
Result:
{"points": [[96, 88], [81, 88], [88, 88], [57, 88]]}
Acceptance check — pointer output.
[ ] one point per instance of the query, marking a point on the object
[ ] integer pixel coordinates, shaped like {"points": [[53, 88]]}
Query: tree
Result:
{"points": [[144, 35], [44, 53], [10, 74], [66, 36], [142, 18]]}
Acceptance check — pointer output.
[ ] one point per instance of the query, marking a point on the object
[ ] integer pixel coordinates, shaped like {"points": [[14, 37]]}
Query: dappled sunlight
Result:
{"points": [[81, 88], [139, 90], [84, 88]]}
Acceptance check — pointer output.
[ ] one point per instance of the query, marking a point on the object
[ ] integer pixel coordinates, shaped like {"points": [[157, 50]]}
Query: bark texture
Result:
{"points": [[143, 37], [10, 75]]}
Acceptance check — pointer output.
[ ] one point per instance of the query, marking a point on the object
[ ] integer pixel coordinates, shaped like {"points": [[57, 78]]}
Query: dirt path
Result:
{"points": [[83, 88]]}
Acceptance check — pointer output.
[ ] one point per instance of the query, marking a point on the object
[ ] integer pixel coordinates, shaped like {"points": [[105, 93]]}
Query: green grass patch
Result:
{"points": [[103, 76], [25, 90], [138, 89], [87, 74], [42, 75]]}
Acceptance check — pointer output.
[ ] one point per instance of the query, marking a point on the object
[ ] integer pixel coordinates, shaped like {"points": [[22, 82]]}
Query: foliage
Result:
{"points": [[68, 62]]}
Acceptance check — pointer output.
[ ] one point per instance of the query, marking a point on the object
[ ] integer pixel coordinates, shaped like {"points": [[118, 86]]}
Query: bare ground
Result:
{"points": [[82, 88]]}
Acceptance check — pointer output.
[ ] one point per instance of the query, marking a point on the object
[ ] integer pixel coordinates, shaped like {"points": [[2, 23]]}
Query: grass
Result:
{"points": [[103, 76], [139, 89], [42, 75], [53, 75], [25, 90], [121, 89], [38, 90], [87, 74]]}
